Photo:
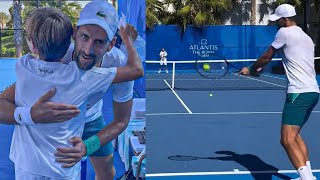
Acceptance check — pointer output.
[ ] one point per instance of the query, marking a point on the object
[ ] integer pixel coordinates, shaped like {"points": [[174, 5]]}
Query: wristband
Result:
{"points": [[253, 72], [22, 115], [92, 144], [250, 68]]}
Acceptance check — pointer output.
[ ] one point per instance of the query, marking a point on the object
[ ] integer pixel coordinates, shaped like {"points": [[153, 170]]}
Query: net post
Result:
{"points": [[173, 74]]}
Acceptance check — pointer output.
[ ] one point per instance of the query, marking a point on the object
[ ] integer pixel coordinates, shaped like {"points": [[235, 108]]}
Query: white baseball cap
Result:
{"points": [[284, 10], [101, 13]]}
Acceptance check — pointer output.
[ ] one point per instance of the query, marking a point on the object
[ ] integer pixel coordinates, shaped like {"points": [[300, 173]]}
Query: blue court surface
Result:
{"points": [[222, 134], [7, 77]]}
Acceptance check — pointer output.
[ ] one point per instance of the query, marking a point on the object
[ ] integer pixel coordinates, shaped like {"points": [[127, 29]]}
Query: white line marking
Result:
{"points": [[165, 81], [209, 60], [177, 79], [260, 80], [217, 113], [161, 114], [223, 173], [184, 105], [273, 76]]}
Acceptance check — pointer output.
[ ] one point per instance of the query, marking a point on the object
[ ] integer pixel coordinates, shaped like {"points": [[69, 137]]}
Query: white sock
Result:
{"points": [[304, 173], [308, 164], [309, 167]]}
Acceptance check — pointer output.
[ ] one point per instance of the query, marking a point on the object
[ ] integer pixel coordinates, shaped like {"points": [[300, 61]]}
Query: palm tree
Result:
{"points": [[239, 13], [4, 18], [72, 10], [265, 7], [253, 12], [156, 13], [197, 13], [17, 27], [19, 15]]}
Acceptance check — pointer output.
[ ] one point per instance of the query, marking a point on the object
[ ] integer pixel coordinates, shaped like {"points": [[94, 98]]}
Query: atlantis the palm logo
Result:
{"points": [[203, 49]]}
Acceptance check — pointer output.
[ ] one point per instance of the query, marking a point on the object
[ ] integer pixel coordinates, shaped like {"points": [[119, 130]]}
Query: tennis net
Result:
{"points": [[182, 75]]}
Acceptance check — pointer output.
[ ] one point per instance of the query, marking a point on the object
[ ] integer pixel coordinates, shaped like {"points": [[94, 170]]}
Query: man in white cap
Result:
{"points": [[297, 51], [101, 159]]}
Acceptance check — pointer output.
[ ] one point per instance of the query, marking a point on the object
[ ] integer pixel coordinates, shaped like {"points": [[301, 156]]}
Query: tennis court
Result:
{"points": [[226, 128]]}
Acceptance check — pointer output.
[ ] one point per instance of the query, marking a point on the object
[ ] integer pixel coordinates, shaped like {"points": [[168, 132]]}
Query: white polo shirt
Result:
{"points": [[163, 55], [121, 92], [297, 59], [33, 147]]}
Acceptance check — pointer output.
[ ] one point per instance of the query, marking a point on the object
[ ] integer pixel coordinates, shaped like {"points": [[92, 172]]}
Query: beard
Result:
{"points": [[85, 62]]}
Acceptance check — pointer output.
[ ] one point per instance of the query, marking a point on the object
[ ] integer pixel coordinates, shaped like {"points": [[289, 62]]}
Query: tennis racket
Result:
{"points": [[187, 158], [217, 67]]}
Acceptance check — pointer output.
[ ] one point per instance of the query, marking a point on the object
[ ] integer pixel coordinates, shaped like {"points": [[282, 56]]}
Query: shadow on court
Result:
{"points": [[259, 169]]}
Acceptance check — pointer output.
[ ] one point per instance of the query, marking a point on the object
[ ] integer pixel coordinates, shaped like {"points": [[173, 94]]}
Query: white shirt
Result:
{"points": [[163, 55], [121, 92], [33, 147], [297, 59]]}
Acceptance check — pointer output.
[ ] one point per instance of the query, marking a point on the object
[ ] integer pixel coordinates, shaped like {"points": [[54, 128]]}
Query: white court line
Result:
{"points": [[260, 80], [184, 105], [223, 173], [201, 79], [217, 113], [273, 76]]}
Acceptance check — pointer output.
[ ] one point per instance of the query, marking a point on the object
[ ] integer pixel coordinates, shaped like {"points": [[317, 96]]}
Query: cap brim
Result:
{"points": [[102, 24], [274, 17]]}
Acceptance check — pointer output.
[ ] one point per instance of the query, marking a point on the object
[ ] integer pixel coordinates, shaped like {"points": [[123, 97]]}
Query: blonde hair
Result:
{"points": [[50, 31]]}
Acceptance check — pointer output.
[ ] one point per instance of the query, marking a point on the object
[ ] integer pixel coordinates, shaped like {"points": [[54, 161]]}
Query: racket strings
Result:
{"points": [[212, 69]]}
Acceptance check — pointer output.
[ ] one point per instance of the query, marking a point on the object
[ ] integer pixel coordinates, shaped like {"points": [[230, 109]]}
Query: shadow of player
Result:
{"points": [[258, 168]]}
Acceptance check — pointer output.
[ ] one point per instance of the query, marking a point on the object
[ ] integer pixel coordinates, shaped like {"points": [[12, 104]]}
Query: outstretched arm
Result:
{"points": [[260, 63], [42, 111], [264, 59]]}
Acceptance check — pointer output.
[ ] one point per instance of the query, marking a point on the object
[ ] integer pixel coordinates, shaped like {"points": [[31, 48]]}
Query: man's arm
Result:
{"points": [[121, 112], [264, 59], [7, 106], [42, 111], [261, 62], [134, 69]]}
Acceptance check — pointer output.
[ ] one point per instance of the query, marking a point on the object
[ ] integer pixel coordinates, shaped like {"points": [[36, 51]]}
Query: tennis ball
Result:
{"points": [[206, 67], [210, 94]]}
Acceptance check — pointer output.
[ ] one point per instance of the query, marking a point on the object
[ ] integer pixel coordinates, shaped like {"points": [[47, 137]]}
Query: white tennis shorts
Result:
{"points": [[163, 61]]}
